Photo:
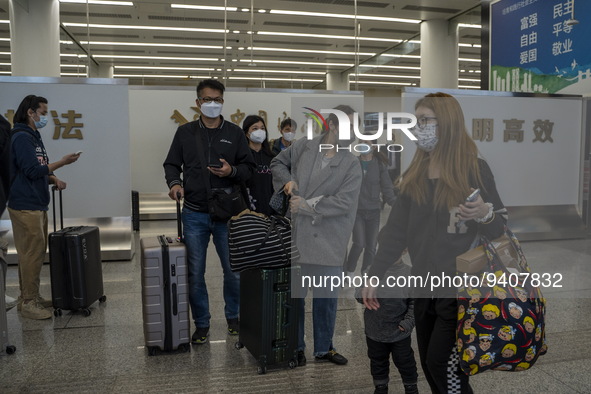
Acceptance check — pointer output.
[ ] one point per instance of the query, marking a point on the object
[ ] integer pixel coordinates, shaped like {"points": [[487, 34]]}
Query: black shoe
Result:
{"points": [[233, 326], [333, 357], [200, 335], [301, 358], [411, 388], [381, 389]]}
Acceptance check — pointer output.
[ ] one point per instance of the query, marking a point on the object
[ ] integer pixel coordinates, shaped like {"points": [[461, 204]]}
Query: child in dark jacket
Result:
{"points": [[388, 331]]}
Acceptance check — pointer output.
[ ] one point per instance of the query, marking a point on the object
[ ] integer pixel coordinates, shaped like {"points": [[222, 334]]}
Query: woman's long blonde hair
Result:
{"points": [[455, 153]]}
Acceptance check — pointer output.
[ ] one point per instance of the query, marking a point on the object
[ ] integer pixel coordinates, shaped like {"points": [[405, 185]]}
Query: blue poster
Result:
{"points": [[541, 46]]}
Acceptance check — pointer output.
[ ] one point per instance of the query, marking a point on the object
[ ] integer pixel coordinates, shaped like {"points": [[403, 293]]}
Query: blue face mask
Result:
{"points": [[42, 122]]}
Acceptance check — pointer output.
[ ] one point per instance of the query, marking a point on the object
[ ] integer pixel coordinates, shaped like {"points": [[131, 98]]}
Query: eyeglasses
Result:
{"points": [[424, 121], [219, 100]]}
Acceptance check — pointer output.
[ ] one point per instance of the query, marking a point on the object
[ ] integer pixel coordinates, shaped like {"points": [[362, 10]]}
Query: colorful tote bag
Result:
{"points": [[501, 313]]}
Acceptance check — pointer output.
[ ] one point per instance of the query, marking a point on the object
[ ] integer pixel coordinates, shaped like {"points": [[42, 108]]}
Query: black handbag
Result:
{"points": [[260, 241], [222, 206]]}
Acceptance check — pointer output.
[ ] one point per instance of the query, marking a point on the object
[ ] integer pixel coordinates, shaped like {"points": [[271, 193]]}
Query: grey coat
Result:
{"points": [[322, 235]]}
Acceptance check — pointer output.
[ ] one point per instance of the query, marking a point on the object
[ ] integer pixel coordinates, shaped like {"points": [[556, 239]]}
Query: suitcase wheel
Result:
{"points": [[185, 347], [103, 299], [86, 312], [152, 350], [261, 370], [57, 312], [292, 364], [238, 345], [10, 349]]}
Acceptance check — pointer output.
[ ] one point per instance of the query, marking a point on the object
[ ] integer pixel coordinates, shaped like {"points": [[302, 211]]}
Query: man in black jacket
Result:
{"points": [[229, 163]]}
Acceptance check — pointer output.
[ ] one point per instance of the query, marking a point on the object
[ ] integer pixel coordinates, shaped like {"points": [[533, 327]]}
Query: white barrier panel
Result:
{"points": [[541, 169], [91, 115]]}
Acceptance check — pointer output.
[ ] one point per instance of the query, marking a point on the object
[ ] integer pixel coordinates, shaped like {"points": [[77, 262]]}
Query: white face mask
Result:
{"points": [[426, 138], [289, 136], [258, 136], [211, 110]]}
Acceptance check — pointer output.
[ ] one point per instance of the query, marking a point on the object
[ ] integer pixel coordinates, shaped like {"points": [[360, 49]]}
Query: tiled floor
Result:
{"points": [[105, 352]]}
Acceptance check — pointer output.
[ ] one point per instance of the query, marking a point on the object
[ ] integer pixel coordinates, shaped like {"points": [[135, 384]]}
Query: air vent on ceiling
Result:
{"points": [[187, 19], [306, 25], [105, 35], [282, 43], [124, 51], [135, 63], [191, 53], [208, 41], [95, 15], [431, 9], [373, 4], [392, 31], [368, 47]]}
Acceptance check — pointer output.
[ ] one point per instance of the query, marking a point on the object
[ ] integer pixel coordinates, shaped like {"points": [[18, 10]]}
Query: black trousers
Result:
{"points": [[402, 355], [435, 320]]}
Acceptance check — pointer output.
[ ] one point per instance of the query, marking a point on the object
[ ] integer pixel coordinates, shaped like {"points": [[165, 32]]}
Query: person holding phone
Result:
{"points": [[28, 201], [229, 163], [432, 218]]}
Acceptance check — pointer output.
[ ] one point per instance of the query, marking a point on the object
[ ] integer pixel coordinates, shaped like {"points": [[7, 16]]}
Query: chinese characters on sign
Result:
{"points": [[518, 5], [483, 130], [69, 131], [71, 127], [563, 12], [528, 38]]}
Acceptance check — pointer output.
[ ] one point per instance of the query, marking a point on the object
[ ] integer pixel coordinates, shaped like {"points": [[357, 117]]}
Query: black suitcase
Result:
{"points": [[165, 292], [75, 266], [269, 317]]}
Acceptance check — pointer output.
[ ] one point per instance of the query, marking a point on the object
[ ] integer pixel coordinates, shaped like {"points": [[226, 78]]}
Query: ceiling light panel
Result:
{"points": [[202, 7], [144, 27], [99, 2], [345, 16]]}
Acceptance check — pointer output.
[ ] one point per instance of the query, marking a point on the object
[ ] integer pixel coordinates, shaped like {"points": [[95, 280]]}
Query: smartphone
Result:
{"points": [[79, 152], [473, 196], [215, 165]]}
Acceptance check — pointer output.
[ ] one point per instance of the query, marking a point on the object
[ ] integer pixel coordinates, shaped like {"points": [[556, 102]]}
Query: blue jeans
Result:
{"points": [[198, 227], [324, 309]]}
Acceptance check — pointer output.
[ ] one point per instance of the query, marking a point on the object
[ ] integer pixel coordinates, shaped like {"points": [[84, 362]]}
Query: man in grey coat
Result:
{"points": [[324, 188]]}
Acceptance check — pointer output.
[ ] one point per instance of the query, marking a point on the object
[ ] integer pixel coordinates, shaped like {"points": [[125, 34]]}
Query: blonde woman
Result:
{"points": [[432, 218]]}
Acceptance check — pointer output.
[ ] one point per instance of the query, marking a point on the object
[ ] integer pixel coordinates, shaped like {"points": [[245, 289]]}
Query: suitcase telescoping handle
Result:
{"points": [[178, 216], [53, 189]]}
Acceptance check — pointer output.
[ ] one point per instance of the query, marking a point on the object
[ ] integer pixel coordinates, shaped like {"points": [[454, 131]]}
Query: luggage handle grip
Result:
{"points": [[178, 216], [287, 308], [53, 189]]}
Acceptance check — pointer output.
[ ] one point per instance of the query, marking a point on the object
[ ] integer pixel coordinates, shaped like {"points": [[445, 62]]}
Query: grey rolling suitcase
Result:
{"points": [[165, 293], [4, 345]]}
